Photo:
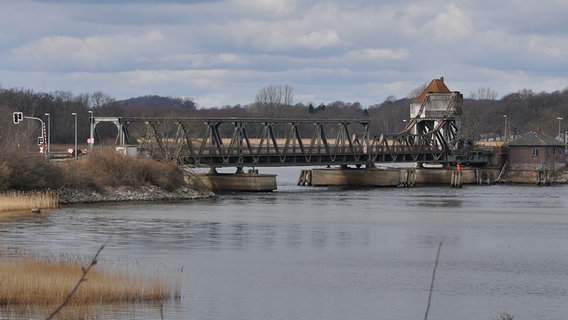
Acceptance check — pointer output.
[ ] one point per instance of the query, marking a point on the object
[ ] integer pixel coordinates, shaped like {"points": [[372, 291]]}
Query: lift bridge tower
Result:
{"points": [[435, 121]]}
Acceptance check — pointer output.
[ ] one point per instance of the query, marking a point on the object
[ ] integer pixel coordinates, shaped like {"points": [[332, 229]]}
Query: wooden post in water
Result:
{"points": [[456, 178]]}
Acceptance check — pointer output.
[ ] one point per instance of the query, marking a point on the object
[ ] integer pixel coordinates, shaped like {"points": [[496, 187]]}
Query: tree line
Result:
{"points": [[483, 115]]}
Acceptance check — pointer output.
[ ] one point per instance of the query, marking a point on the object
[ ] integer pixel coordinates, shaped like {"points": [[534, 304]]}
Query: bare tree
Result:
{"points": [[269, 98], [415, 93], [472, 124], [484, 94], [99, 99], [12, 134], [287, 95], [390, 98]]}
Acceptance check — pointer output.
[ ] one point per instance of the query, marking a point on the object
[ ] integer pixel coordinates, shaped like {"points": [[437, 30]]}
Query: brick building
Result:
{"points": [[534, 157]]}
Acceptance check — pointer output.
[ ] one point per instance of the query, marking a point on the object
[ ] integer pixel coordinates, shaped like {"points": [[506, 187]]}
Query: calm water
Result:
{"points": [[332, 253]]}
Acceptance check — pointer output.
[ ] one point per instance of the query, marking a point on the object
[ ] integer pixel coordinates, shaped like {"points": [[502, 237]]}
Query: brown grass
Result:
{"points": [[103, 168], [107, 168], [20, 200], [39, 284]]}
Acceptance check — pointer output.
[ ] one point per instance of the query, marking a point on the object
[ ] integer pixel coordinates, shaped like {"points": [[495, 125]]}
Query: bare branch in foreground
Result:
{"points": [[81, 280], [432, 282]]}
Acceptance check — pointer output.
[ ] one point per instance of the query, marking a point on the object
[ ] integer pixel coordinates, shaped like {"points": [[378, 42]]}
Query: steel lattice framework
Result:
{"points": [[240, 142]]}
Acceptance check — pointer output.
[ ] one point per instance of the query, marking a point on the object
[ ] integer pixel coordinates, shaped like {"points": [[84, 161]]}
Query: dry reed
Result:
{"points": [[29, 283], [107, 168], [20, 200]]}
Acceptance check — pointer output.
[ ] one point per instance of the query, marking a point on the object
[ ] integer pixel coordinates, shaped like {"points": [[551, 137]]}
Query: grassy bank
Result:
{"points": [[107, 168], [104, 167], [36, 286], [24, 178]]}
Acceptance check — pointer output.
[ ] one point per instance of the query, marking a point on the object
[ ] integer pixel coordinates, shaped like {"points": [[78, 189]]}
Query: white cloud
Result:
{"points": [[549, 48], [452, 24], [228, 49], [378, 54], [72, 53], [202, 60], [319, 39], [279, 35], [271, 7]]}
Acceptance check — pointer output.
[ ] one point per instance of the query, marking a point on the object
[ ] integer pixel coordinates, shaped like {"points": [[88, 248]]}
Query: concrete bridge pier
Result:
{"points": [[390, 177], [251, 180], [346, 176]]}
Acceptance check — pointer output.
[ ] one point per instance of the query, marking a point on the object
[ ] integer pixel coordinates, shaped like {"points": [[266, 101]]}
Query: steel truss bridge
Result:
{"points": [[240, 142]]}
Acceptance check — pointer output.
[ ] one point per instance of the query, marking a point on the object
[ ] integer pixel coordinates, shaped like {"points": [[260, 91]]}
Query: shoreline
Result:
{"points": [[126, 194], [149, 193]]}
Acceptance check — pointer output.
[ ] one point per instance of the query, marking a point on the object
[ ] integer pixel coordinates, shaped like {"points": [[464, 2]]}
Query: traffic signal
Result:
{"points": [[18, 117]]}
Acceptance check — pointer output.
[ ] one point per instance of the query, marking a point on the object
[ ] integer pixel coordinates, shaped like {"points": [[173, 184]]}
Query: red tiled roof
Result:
{"points": [[435, 86]]}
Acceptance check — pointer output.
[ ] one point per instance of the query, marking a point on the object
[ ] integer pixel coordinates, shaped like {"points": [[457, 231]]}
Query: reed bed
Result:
{"points": [[20, 200], [30, 284]]}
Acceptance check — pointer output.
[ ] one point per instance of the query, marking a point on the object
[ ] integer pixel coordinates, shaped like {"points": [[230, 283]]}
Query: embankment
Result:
{"points": [[128, 193]]}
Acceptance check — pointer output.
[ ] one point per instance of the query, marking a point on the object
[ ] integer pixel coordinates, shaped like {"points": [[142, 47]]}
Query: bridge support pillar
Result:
{"points": [[251, 181], [449, 175], [355, 177], [389, 177]]}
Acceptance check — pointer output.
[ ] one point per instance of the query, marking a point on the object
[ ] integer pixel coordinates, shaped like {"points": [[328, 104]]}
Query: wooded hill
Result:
{"points": [[482, 119]]}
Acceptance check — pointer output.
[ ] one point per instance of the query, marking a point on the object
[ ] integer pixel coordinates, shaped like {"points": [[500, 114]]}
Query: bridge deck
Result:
{"points": [[236, 142]]}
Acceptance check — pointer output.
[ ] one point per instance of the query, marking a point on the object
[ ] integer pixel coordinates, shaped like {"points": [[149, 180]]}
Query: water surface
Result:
{"points": [[332, 253]]}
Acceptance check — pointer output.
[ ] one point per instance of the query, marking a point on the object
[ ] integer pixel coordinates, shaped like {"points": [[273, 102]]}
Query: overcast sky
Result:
{"points": [[222, 52]]}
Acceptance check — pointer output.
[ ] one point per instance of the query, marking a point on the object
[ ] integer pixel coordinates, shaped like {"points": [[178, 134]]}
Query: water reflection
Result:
{"points": [[333, 253], [189, 234], [436, 201], [430, 241]]}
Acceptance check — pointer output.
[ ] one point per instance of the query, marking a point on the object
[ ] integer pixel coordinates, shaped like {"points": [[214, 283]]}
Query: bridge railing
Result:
{"points": [[275, 142], [233, 141]]}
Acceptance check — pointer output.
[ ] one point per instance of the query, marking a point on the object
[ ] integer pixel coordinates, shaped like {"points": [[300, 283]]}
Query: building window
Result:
{"points": [[535, 152]]}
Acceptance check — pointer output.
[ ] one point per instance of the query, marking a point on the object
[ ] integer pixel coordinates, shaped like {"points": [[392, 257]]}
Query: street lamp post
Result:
{"points": [[559, 122], [91, 131], [75, 149], [41, 139], [505, 133], [48, 136]]}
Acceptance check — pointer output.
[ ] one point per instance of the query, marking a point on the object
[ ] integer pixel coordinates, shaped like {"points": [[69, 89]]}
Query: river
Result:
{"points": [[331, 253]]}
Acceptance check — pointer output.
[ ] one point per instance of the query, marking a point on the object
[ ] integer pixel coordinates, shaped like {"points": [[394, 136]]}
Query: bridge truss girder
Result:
{"points": [[252, 142], [233, 142]]}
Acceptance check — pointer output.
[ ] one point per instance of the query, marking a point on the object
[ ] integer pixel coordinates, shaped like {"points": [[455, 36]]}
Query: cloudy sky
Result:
{"points": [[221, 52]]}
